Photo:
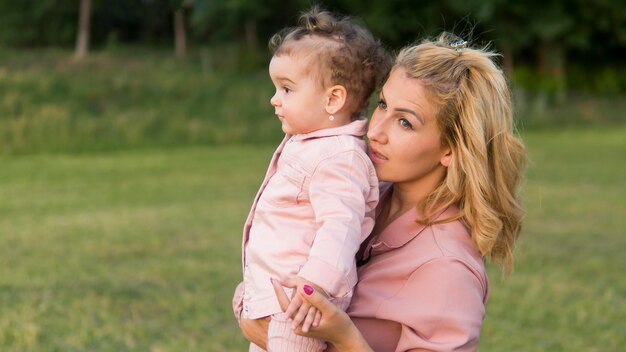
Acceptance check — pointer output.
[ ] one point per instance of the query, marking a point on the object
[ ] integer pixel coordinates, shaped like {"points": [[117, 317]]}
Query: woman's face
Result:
{"points": [[404, 140]]}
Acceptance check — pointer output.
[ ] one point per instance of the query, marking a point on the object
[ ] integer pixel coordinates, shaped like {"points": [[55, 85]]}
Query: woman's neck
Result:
{"points": [[409, 194], [402, 199]]}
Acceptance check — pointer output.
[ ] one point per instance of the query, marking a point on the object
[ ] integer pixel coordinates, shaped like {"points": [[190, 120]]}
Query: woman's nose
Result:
{"points": [[376, 131]]}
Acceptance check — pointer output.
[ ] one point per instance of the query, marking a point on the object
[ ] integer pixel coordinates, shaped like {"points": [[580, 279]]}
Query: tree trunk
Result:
{"points": [[552, 59], [251, 34], [82, 39], [180, 38]]}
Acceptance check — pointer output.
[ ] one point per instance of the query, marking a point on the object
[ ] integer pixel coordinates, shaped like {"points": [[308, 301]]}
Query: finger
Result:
{"points": [[294, 306], [318, 319], [308, 320], [301, 315], [316, 299], [283, 299]]}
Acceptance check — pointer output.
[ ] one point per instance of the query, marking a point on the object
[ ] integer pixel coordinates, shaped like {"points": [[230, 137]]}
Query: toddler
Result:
{"points": [[316, 203]]}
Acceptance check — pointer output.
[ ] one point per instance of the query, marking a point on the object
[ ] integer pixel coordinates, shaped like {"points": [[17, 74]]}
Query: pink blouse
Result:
{"points": [[423, 289]]}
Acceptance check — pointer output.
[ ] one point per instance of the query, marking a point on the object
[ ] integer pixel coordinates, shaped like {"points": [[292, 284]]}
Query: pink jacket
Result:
{"points": [[423, 288], [312, 212]]}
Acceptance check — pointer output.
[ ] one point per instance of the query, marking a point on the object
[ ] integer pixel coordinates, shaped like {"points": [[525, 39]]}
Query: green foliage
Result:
{"points": [[399, 23], [54, 22], [140, 250], [585, 97], [603, 80], [536, 82], [549, 36], [224, 21], [132, 99], [31, 23], [134, 21]]}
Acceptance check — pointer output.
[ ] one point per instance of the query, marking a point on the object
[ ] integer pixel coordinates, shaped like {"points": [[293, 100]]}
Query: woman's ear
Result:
{"points": [[446, 159], [336, 97]]}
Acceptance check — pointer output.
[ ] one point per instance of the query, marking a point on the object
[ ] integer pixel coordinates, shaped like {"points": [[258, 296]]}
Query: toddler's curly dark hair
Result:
{"points": [[347, 54]]}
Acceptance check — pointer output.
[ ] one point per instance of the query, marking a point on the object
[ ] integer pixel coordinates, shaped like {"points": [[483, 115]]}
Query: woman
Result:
{"points": [[441, 137]]}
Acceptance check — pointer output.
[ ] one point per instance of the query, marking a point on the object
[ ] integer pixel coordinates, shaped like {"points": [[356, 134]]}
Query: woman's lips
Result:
{"points": [[376, 156]]}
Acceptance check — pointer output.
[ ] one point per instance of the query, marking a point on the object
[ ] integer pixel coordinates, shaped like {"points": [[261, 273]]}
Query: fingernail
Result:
{"points": [[308, 290]]}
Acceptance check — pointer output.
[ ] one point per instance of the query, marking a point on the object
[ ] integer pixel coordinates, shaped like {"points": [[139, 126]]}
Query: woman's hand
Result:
{"points": [[299, 311], [255, 330], [334, 326]]}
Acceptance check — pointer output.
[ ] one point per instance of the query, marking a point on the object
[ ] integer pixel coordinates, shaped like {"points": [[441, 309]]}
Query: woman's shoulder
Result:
{"points": [[448, 255], [454, 243]]}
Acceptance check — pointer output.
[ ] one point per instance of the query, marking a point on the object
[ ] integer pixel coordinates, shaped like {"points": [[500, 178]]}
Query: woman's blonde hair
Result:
{"points": [[474, 116]]}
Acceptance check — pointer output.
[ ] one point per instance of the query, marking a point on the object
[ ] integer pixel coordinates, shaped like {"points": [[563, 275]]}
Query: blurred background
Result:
{"points": [[108, 74], [134, 135]]}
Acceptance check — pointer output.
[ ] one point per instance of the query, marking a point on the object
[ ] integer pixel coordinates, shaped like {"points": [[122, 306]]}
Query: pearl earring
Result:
{"points": [[331, 118]]}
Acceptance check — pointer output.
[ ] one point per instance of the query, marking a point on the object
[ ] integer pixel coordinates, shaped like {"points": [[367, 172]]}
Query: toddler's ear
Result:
{"points": [[336, 97]]}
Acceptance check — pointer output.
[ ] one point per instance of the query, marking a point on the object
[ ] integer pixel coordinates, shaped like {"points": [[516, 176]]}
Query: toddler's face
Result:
{"points": [[299, 101]]}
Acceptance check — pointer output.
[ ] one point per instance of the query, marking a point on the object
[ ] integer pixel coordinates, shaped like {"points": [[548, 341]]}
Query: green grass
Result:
{"points": [[567, 292], [131, 98], [145, 98], [140, 250], [123, 251]]}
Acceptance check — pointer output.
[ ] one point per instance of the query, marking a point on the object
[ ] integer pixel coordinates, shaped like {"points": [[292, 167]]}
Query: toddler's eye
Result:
{"points": [[287, 89]]}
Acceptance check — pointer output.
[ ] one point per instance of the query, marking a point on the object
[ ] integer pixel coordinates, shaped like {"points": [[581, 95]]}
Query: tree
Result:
{"points": [[505, 25], [180, 32], [248, 21], [398, 22], [82, 38]]}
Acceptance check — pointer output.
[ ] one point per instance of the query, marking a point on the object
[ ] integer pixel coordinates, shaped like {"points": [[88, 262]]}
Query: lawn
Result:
{"points": [[140, 250]]}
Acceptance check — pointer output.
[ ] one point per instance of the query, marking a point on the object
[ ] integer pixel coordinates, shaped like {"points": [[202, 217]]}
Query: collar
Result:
{"points": [[355, 128], [403, 229]]}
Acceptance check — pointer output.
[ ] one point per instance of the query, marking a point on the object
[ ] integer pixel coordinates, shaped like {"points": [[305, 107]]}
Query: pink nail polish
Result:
{"points": [[308, 290]]}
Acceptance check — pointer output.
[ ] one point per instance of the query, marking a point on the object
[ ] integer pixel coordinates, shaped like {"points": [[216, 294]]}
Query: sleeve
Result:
{"points": [[441, 308], [340, 194], [237, 301]]}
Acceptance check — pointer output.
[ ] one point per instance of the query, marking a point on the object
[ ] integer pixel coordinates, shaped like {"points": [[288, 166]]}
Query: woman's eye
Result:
{"points": [[406, 124], [382, 104]]}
